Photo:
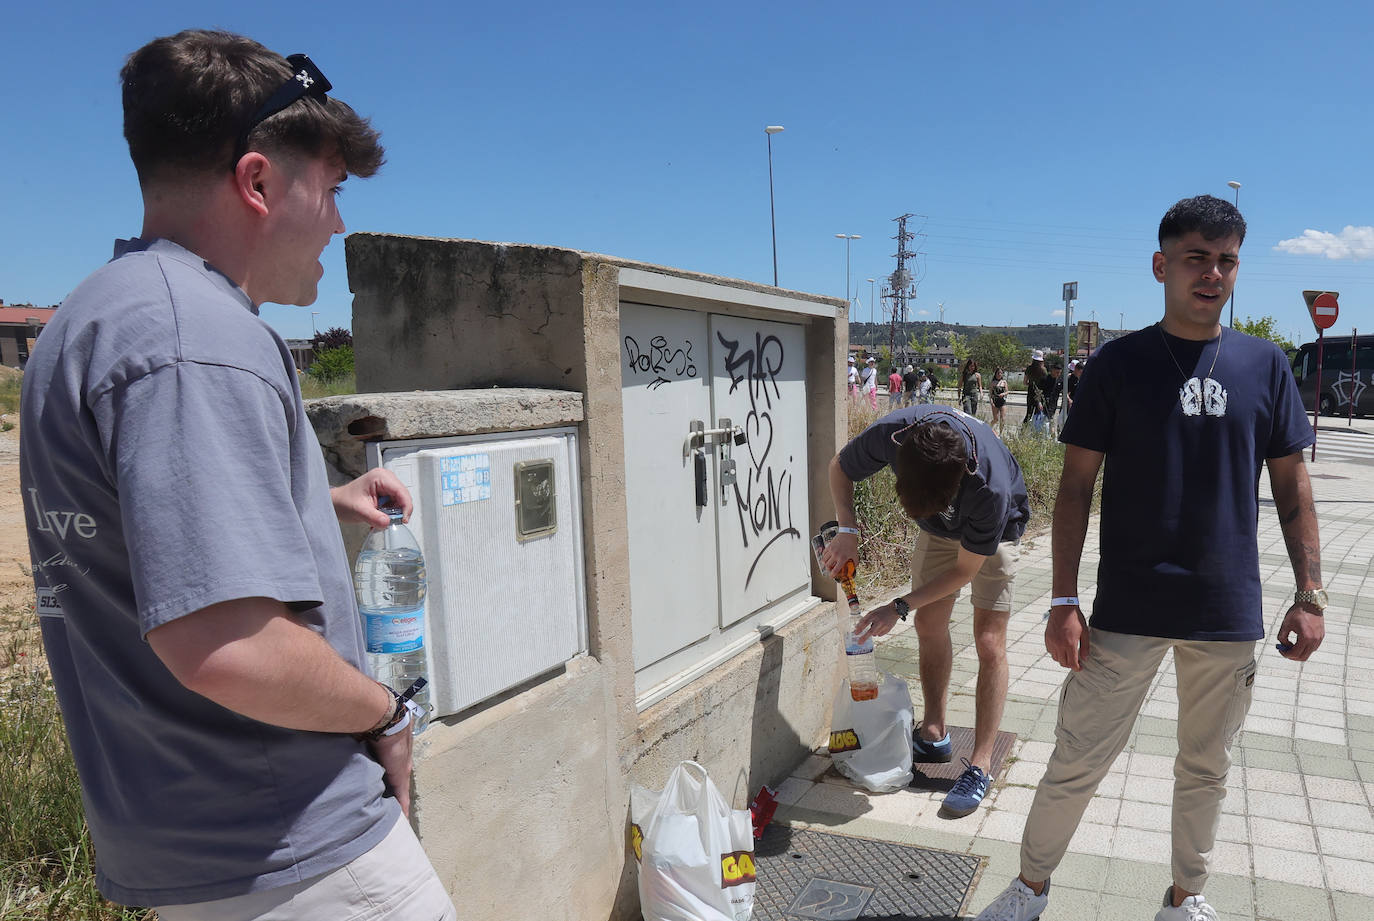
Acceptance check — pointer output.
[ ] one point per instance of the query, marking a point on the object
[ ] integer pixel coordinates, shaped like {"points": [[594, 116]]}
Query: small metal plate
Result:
{"points": [[536, 503], [806, 875], [830, 900]]}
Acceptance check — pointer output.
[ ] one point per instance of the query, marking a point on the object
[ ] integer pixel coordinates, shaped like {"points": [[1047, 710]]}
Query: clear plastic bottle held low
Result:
{"points": [[858, 652], [389, 578]]}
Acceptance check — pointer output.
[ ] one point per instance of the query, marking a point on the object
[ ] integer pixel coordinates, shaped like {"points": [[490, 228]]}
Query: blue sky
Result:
{"points": [[1041, 142]]}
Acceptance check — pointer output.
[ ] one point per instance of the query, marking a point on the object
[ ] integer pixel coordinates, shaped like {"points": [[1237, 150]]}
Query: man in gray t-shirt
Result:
{"points": [[195, 602]]}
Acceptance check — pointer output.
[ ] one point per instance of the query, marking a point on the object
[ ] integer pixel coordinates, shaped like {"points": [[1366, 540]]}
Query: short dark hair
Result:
{"points": [[1212, 217], [188, 98], [930, 466]]}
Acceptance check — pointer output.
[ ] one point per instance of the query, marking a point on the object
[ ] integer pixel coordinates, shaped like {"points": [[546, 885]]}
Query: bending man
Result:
{"points": [[962, 487]]}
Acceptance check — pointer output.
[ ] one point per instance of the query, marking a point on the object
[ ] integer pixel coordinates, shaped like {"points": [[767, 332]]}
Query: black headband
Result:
{"points": [[305, 80]]}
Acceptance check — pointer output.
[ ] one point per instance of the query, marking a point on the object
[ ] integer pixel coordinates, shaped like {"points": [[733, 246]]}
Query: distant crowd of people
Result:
{"points": [[1045, 384]]}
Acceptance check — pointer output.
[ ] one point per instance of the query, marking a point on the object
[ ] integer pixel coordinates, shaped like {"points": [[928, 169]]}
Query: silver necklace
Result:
{"points": [[1205, 397]]}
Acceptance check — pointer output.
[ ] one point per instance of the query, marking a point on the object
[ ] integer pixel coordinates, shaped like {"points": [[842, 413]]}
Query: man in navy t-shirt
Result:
{"points": [[1182, 417], [962, 487]]}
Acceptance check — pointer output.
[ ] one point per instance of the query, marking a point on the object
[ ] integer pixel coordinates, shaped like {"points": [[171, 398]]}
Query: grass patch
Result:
{"points": [[9, 394], [312, 388], [47, 864]]}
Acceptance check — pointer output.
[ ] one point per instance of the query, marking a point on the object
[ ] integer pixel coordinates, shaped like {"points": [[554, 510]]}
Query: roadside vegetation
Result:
{"points": [[331, 374], [312, 388], [10, 384], [9, 393], [47, 865]]}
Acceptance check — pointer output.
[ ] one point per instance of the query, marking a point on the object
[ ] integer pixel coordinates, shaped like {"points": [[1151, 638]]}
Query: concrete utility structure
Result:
{"points": [[701, 414]]}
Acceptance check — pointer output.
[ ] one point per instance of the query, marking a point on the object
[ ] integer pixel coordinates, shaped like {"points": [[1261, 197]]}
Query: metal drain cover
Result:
{"points": [[815, 876]]}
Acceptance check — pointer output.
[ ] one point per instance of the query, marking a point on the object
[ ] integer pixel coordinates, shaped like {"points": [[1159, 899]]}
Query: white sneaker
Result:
{"points": [[1018, 902], [1194, 908]]}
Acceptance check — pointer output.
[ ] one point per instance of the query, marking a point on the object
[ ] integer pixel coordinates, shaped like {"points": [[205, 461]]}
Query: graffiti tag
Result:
{"points": [[660, 359]]}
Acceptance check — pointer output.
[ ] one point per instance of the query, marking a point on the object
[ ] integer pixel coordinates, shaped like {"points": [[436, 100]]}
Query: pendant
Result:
{"points": [[1202, 398]]}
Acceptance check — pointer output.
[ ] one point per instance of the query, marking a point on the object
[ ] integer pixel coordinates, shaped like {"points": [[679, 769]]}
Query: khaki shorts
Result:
{"points": [[992, 584], [392, 882]]}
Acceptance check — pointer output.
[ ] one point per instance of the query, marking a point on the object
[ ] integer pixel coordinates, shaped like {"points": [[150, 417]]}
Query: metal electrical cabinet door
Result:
{"points": [[664, 385], [758, 382], [715, 480]]}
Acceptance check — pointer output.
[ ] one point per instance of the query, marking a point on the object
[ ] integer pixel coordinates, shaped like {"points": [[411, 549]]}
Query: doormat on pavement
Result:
{"points": [[941, 777], [807, 875]]}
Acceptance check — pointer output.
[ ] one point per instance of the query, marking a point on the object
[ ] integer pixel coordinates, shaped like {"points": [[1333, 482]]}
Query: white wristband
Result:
{"points": [[854, 531], [412, 710], [1065, 601]]}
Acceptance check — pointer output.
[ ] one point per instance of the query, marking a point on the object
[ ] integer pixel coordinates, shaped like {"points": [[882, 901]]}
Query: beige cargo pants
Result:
{"points": [[1098, 708]]}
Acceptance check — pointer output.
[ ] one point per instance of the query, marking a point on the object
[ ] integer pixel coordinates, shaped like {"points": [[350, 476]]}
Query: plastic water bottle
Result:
{"points": [[858, 653], [389, 577]]}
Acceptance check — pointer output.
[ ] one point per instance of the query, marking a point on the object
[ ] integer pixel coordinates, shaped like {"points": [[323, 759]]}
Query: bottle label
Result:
{"points": [[395, 631]]}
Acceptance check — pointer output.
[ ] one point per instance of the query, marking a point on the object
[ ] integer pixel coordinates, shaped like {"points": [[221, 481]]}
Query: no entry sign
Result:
{"points": [[1323, 307]]}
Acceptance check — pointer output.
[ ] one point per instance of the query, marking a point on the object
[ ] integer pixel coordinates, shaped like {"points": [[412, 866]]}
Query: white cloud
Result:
{"points": [[923, 313], [1351, 243], [1057, 313]]}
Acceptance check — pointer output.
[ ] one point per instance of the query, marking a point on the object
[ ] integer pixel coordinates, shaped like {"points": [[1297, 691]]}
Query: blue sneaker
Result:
{"points": [[937, 752], [968, 791]]}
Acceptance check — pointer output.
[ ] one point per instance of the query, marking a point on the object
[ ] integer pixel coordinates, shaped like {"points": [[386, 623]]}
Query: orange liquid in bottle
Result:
{"points": [[863, 690]]}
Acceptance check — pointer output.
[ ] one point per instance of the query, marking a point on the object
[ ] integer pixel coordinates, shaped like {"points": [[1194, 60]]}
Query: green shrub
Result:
{"points": [[332, 364]]}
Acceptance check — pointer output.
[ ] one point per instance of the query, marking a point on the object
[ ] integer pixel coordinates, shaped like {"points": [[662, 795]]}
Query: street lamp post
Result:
{"points": [[847, 238], [771, 130], [313, 328], [870, 299], [1235, 187]]}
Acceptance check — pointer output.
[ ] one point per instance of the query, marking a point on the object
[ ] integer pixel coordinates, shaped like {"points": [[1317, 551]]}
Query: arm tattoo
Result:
{"points": [[1292, 516], [1314, 564]]}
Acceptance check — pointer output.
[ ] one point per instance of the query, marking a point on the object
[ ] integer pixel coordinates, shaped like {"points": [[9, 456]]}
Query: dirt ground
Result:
{"points": [[15, 584]]}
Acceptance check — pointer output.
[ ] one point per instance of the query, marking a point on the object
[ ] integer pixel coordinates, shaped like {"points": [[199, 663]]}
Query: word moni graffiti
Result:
{"points": [[765, 501]]}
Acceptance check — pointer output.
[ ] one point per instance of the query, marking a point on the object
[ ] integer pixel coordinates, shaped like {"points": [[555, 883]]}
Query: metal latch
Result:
{"points": [[699, 439], [730, 435], [698, 436]]}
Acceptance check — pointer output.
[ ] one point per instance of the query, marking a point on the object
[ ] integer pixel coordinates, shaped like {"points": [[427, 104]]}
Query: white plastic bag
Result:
{"points": [[695, 853], [1039, 424], [870, 740]]}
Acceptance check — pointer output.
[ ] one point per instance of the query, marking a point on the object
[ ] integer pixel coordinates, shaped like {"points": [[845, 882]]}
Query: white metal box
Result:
{"points": [[499, 520]]}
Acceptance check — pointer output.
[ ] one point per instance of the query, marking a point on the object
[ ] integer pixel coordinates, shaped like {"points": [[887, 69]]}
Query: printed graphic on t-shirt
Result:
{"points": [[1202, 398]]}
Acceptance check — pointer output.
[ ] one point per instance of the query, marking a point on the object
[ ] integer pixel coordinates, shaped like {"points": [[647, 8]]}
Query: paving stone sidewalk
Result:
{"points": [[1297, 830]]}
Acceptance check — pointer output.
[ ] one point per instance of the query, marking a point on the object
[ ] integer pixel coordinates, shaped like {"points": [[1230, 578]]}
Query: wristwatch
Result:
{"points": [[1315, 597], [903, 609]]}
